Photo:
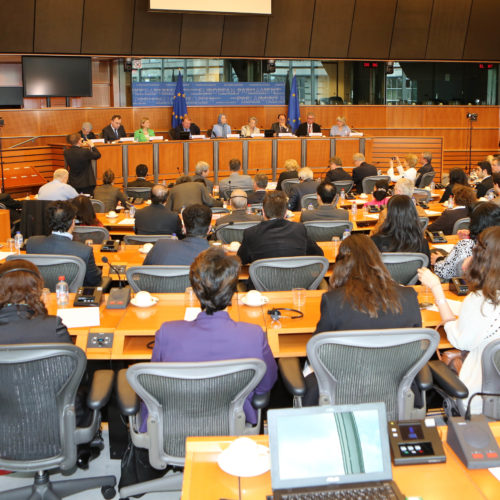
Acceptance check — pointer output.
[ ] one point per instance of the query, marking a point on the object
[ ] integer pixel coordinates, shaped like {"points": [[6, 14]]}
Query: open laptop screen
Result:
{"points": [[329, 445]]}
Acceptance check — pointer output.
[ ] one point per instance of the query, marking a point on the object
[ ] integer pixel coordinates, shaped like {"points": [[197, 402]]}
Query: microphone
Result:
{"points": [[106, 260], [118, 297], [178, 171], [467, 412]]}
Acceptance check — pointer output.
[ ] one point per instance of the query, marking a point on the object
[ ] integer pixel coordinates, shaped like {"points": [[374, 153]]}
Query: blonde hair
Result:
{"points": [[291, 164], [358, 157], [340, 119], [305, 173], [61, 174], [144, 120], [412, 160]]}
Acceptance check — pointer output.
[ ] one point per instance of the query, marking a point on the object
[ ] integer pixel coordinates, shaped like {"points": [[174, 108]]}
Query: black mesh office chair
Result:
{"points": [[461, 224], [139, 192], [233, 231], [95, 233], [309, 199], [98, 206], [345, 185], [368, 183], [403, 266], [287, 186], [158, 279], [140, 239], [426, 179], [325, 230]]}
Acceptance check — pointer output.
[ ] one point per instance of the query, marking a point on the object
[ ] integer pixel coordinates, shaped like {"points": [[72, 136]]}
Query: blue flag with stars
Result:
{"points": [[293, 106], [179, 110]]}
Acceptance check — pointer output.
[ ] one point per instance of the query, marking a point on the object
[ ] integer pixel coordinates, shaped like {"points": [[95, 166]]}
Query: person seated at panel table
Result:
{"points": [[157, 218], [260, 182], [251, 128], [221, 128], [144, 133], [401, 230], [115, 130], [85, 213], [239, 200], [465, 200], [186, 192], [109, 194], [170, 252], [478, 322], [308, 127], [456, 176], [336, 172], [381, 194], [340, 128], [86, 131], [201, 172], [326, 194], [361, 170], [408, 172], [58, 188], [141, 171], [236, 180], [291, 172], [186, 126], [281, 126], [425, 160], [485, 178], [61, 217], [307, 185], [483, 216]]}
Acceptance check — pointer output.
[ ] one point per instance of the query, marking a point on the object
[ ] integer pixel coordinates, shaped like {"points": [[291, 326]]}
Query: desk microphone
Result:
{"points": [[115, 269], [118, 297], [178, 171]]}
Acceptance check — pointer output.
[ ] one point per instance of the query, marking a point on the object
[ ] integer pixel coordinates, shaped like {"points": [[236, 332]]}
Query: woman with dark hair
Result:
{"points": [[109, 194], [85, 212], [401, 230], [478, 323], [483, 216], [363, 294], [381, 194], [457, 176], [23, 315], [465, 200]]}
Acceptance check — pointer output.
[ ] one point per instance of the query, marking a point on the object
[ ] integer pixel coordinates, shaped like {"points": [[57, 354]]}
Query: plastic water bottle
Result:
{"points": [[354, 210], [433, 186], [346, 234], [310, 206], [451, 202], [342, 195], [18, 241], [132, 211], [62, 292]]}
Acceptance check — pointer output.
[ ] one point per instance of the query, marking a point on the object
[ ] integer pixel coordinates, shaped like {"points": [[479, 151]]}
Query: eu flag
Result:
{"points": [[293, 106], [179, 110]]}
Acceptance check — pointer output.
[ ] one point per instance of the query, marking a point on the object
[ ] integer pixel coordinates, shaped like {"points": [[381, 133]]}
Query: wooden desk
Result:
{"points": [[203, 478]]}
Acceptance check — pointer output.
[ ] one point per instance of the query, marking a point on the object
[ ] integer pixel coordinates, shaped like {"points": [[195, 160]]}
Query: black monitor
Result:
{"points": [[184, 136], [11, 97], [57, 76]]}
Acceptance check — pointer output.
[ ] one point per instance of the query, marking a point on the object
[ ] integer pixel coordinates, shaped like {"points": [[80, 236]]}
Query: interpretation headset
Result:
{"points": [[275, 313], [24, 269]]}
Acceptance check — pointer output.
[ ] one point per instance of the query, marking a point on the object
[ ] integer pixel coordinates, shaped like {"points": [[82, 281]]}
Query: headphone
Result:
{"points": [[276, 313], [19, 269]]}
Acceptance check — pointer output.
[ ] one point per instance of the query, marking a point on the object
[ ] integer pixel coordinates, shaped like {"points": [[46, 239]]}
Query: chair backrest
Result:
{"points": [[2, 207], [233, 231], [345, 185], [422, 195], [34, 220], [51, 266], [287, 186], [426, 179], [158, 279], [140, 239], [98, 206], [325, 230], [368, 183], [193, 399], [403, 266], [95, 233], [424, 222], [461, 224], [226, 193], [309, 199], [490, 365], [285, 273], [364, 366], [220, 210], [39, 384], [139, 192]]}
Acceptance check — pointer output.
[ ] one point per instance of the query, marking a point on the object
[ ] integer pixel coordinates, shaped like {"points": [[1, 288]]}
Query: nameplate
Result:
{"points": [[199, 136], [126, 139], [257, 135], [356, 134], [233, 136], [315, 134], [98, 141], [156, 138], [285, 134]]}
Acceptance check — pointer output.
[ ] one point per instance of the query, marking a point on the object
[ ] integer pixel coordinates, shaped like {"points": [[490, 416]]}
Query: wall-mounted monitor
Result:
{"points": [[57, 76], [213, 6]]}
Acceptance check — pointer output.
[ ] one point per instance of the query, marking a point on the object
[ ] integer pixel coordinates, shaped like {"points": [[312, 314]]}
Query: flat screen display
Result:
{"points": [[57, 76]]}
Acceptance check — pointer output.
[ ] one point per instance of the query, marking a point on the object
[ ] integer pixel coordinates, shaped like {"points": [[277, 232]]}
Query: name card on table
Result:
{"points": [[126, 139], [79, 317], [199, 136], [356, 134], [315, 134], [156, 138], [98, 141], [285, 134], [257, 135], [127, 222], [233, 136]]}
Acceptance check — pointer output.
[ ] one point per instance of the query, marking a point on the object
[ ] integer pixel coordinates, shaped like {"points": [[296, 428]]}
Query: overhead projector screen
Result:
{"points": [[213, 6]]}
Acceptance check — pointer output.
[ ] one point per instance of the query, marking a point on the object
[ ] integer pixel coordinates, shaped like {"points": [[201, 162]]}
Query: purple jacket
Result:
{"points": [[214, 338]]}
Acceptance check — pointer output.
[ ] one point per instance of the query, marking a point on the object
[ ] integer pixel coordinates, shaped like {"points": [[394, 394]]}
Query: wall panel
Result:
{"points": [[16, 33], [244, 36], [483, 38], [201, 35]]}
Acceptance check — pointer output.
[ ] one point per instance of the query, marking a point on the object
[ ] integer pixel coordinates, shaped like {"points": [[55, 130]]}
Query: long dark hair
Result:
{"points": [[367, 284], [402, 226], [85, 212], [458, 176]]}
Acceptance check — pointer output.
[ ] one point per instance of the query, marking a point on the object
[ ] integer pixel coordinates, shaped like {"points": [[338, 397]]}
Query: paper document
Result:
{"points": [[191, 313], [432, 213], [447, 247], [455, 306], [4, 255], [78, 317], [127, 222]]}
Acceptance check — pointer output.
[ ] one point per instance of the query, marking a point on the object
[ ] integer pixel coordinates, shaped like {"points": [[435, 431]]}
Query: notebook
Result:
{"points": [[324, 448]]}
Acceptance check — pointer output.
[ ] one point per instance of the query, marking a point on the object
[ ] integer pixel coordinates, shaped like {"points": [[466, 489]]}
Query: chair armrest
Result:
{"points": [[128, 401], [100, 390], [260, 401], [424, 378], [292, 376], [447, 380]]}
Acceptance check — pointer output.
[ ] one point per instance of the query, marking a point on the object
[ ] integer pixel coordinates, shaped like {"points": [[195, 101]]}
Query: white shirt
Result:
{"points": [[410, 173], [57, 190]]}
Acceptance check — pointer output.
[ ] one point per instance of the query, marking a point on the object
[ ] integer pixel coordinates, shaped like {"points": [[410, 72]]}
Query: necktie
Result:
{"points": [[224, 131], [116, 132], [310, 129]]}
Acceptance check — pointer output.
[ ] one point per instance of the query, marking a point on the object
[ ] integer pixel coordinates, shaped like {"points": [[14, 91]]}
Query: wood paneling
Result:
{"points": [[168, 160], [288, 148], [201, 35], [111, 159], [411, 28], [318, 153], [16, 33], [199, 151], [244, 36], [139, 153], [345, 148], [229, 150], [259, 156], [483, 39], [448, 29], [372, 29]]}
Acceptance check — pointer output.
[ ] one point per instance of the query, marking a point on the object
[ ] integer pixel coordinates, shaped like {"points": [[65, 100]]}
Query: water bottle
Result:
{"points": [[433, 186], [62, 292], [346, 234], [132, 211], [451, 202], [354, 210], [310, 206], [342, 195], [18, 241]]}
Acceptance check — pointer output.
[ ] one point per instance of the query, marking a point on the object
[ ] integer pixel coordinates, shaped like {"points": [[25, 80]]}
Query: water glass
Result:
{"points": [[335, 245], [11, 244], [89, 243], [298, 297]]}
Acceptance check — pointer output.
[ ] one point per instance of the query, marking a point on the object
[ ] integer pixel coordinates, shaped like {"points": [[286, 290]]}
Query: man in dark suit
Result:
{"points": [[79, 159], [141, 171], [336, 172], [259, 189], [307, 185], [327, 205], [361, 171], [275, 236], [197, 220], [186, 126], [157, 219], [61, 219], [186, 192], [486, 179], [281, 127], [239, 210], [308, 127], [114, 131], [426, 167]]}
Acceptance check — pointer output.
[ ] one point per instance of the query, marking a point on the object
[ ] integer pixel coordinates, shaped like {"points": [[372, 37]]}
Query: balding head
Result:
{"points": [[404, 186], [239, 199], [159, 194], [61, 175]]}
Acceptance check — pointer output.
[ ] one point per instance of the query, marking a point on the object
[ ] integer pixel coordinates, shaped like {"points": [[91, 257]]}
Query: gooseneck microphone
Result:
{"points": [[106, 260]]}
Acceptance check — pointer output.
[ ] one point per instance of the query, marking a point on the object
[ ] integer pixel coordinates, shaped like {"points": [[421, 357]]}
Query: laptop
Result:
{"points": [[332, 450], [184, 136]]}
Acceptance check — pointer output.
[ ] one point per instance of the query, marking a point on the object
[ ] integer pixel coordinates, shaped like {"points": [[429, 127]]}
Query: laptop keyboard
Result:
{"points": [[382, 492]]}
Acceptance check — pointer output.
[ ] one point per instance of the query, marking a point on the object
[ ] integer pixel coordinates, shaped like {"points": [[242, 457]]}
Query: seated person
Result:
{"points": [[401, 230], [486, 180], [409, 172], [425, 159], [291, 172], [496, 187], [157, 219], [86, 131], [236, 180], [251, 128], [457, 176], [380, 194], [340, 129], [281, 126], [201, 172], [307, 185], [58, 188], [141, 171], [144, 133], [221, 128], [186, 126], [61, 220], [361, 170], [186, 192], [336, 172], [109, 194], [114, 131], [465, 200], [308, 127], [327, 205], [238, 210], [167, 252], [478, 323], [259, 189], [85, 213]]}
